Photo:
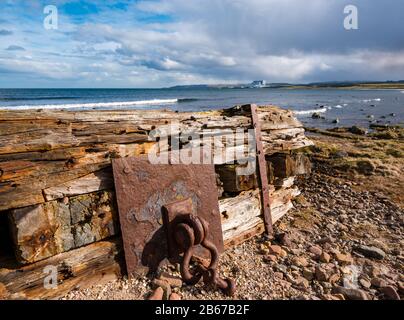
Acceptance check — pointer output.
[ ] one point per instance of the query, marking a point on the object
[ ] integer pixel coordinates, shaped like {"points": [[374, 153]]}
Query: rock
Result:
{"points": [[334, 278], [378, 282], [358, 130], [344, 258], [401, 287], [325, 257], [371, 252], [283, 239], [270, 258], [328, 239], [300, 261], [335, 121], [175, 296], [321, 274], [316, 250], [364, 283], [3, 291], [308, 274], [390, 293], [174, 282], [164, 285], [283, 254], [301, 282], [278, 275], [317, 115], [277, 251], [281, 267], [340, 154], [365, 167], [339, 296], [350, 293], [157, 294], [333, 297]]}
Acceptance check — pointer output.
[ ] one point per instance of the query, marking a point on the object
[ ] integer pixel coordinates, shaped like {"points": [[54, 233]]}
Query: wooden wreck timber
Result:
{"points": [[57, 191]]}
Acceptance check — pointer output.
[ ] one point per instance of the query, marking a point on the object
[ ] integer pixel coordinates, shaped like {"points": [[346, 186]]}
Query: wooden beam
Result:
{"points": [[93, 264]]}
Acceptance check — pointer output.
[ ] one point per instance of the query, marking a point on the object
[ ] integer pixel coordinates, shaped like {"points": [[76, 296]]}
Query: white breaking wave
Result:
{"points": [[94, 104], [338, 106], [370, 100], [303, 112]]}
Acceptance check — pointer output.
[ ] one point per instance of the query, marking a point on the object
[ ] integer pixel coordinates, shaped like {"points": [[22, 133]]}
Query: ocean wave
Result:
{"points": [[305, 112], [339, 106], [370, 100], [94, 104], [187, 100]]}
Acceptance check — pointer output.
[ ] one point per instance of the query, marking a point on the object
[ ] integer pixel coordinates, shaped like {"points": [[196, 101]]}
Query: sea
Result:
{"points": [[336, 107]]}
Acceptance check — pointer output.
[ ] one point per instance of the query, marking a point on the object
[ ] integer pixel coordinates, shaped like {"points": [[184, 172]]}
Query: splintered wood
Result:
{"points": [[57, 190]]}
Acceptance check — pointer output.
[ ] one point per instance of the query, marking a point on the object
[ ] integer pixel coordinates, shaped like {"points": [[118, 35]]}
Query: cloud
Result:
{"points": [[4, 32], [15, 48], [167, 42]]}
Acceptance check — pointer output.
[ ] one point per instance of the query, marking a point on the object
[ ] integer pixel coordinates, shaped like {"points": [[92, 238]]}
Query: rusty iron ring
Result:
{"points": [[190, 232]]}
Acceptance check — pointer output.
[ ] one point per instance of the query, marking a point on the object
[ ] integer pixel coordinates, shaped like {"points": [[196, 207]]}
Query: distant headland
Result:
{"points": [[262, 84]]}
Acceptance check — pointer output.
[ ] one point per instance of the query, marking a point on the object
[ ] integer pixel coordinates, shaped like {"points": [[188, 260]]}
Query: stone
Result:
{"points": [[390, 293], [401, 287], [325, 257], [174, 282], [3, 292], [378, 282], [301, 282], [344, 259], [365, 167], [364, 283], [334, 278], [300, 261], [339, 296], [321, 274], [358, 130], [283, 239], [350, 293], [371, 252], [316, 250], [308, 274], [283, 254], [270, 258], [164, 285], [278, 275], [317, 115], [157, 294], [175, 296], [275, 250], [282, 268]]}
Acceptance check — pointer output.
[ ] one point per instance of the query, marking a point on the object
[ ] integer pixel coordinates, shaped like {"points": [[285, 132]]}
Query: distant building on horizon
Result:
{"points": [[258, 84]]}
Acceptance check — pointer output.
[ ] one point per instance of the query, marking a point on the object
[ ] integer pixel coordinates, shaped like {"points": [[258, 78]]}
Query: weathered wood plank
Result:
{"points": [[42, 231], [94, 264], [243, 212]]}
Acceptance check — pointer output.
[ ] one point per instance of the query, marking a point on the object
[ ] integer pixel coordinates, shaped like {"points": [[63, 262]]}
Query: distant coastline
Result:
{"points": [[346, 85]]}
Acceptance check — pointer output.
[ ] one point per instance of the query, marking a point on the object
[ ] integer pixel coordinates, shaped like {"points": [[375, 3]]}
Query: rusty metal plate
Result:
{"points": [[142, 189]]}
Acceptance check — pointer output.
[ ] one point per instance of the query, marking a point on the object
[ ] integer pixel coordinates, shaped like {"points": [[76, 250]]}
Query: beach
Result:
{"points": [[342, 241]]}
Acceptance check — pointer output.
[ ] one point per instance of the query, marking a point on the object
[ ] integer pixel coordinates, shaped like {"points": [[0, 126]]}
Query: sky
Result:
{"points": [[160, 43]]}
